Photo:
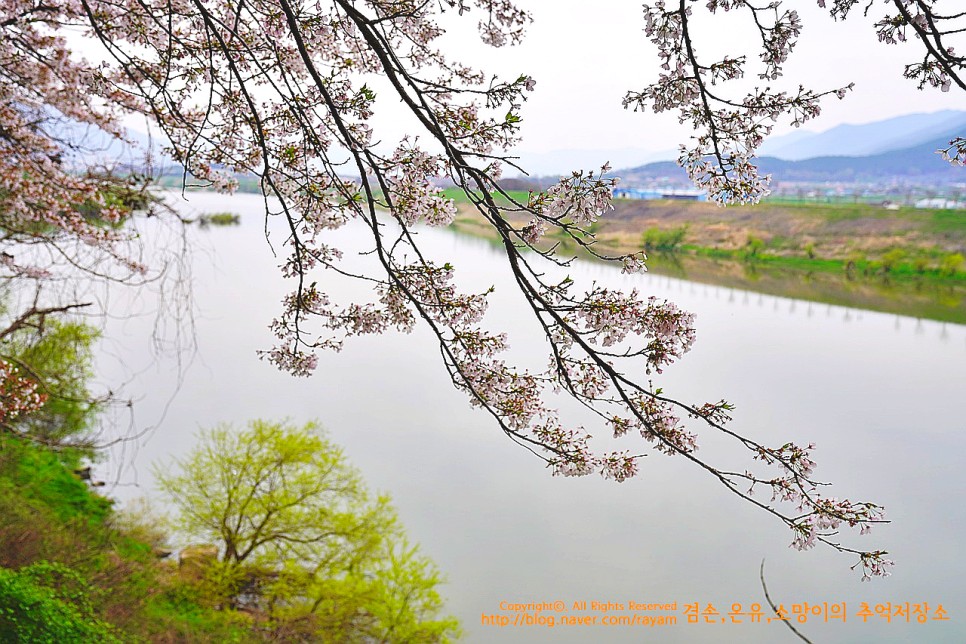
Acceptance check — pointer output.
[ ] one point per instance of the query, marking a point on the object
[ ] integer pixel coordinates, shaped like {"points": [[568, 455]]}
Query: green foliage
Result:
{"points": [[45, 603], [404, 592], [951, 264], [50, 519], [38, 476], [184, 611], [33, 530], [60, 358], [302, 540], [219, 219], [664, 240], [125, 193], [325, 560], [271, 490], [69, 565], [753, 247], [891, 259], [66, 584]]}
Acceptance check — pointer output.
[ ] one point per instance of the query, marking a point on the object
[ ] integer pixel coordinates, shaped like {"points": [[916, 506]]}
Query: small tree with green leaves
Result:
{"points": [[302, 542], [667, 241], [57, 355]]}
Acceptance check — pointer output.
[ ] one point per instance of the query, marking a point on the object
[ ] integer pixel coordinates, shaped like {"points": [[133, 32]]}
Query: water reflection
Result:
{"points": [[881, 395], [923, 298]]}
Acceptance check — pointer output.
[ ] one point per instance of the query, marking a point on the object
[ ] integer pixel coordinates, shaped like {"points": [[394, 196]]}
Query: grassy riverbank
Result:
{"points": [[900, 244], [906, 261]]}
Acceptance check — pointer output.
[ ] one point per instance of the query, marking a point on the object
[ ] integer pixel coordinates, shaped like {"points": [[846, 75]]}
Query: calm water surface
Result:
{"points": [[884, 398]]}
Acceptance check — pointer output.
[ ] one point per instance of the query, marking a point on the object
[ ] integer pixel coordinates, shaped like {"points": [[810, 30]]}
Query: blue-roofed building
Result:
{"points": [[660, 193]]}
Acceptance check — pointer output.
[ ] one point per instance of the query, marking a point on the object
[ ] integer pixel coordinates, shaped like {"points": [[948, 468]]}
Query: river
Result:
{"points": [[882, 396]]}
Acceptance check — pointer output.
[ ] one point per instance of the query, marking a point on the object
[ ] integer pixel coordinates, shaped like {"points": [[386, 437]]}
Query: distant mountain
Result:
{"points": [[87, 145], [919, 164], [899, 133]]}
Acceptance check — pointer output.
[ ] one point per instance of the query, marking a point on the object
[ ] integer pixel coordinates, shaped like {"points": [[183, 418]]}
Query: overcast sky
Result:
{"points": [[586, 55]]}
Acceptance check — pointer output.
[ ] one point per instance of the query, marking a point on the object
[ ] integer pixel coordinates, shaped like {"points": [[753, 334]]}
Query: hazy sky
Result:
{"points": [[586, 55]]}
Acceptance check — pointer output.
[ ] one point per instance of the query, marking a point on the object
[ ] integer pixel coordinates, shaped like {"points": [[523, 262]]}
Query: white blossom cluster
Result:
{"points": [[413, 195], [580, 198]]}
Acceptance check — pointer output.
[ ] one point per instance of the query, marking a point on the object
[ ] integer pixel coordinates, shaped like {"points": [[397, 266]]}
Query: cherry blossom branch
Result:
{"points": [[721, 159], [284, 91]]}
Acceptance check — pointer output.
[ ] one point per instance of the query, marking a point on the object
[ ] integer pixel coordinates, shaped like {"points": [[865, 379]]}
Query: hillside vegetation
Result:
{"points": [[75, 569]]}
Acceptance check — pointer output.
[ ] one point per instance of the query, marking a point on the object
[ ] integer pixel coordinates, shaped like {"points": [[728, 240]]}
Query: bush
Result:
{"points": [[951, 264], [753, 247], [219, 219], [33, 611], [664, 240], [890, 260]]}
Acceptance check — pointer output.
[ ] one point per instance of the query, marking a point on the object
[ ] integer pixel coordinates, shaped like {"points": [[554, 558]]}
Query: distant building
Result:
{"points": [[939, 202], [682, 194]]}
